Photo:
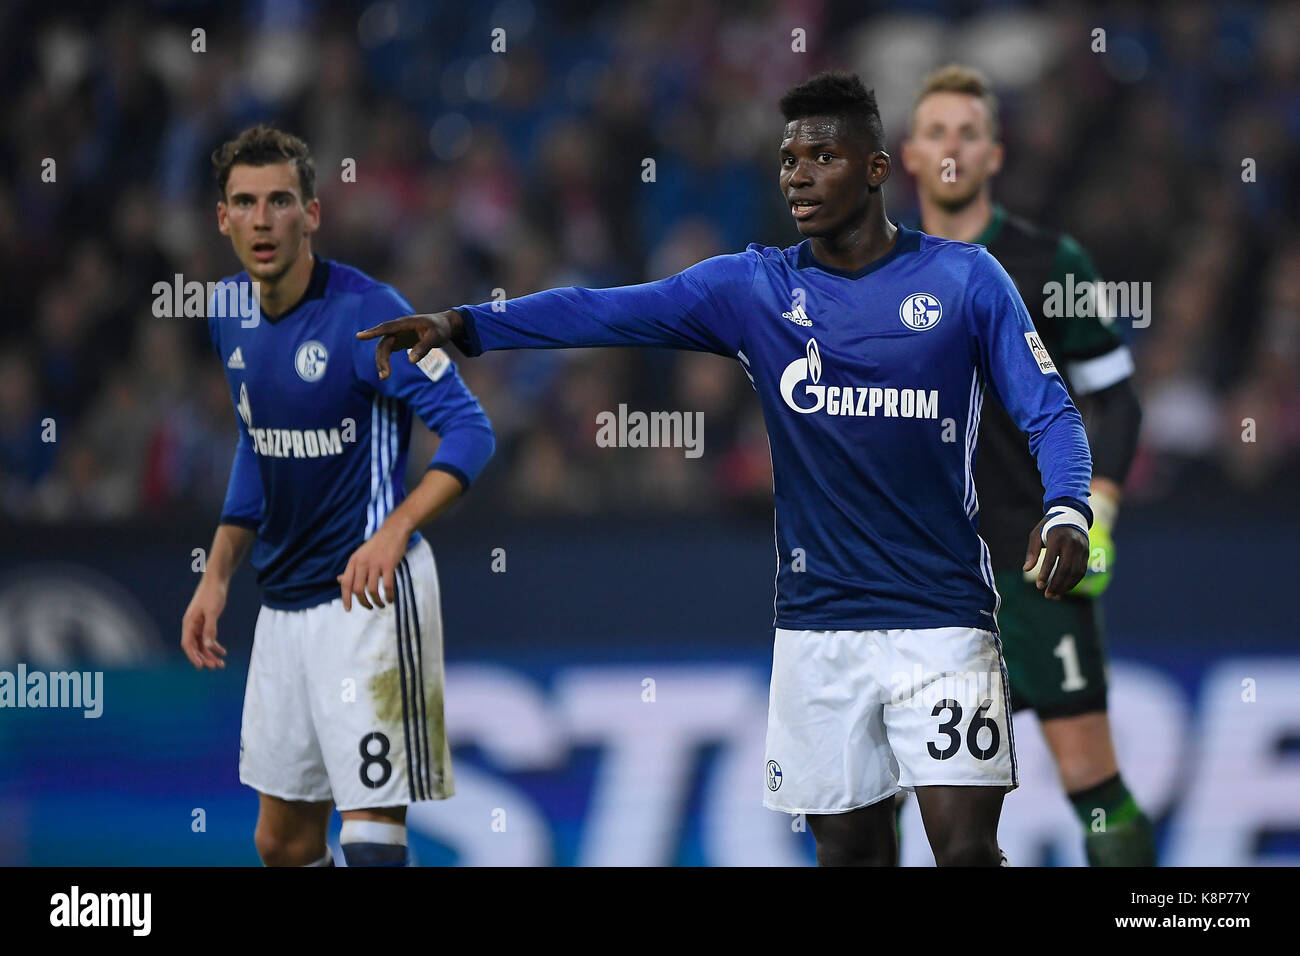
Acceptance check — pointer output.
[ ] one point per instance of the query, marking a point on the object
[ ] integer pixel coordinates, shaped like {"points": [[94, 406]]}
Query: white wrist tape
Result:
{"points": [[1061, 515]]}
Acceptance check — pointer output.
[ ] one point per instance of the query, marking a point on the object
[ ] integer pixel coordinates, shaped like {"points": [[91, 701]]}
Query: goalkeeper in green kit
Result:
{"points": [[1054, 650]]}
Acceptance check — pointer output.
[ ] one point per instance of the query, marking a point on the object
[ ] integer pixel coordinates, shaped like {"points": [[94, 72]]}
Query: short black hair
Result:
{"points": [[263, 145], [842, 95]]}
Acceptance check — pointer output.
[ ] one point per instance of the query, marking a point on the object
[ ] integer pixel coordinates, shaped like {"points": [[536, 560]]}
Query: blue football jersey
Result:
{"points": [[871, 384], [322, 441]]}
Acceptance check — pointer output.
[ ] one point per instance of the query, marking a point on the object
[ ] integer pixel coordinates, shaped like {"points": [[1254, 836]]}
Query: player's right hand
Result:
{"points": [[199, 626], [419, 333]]}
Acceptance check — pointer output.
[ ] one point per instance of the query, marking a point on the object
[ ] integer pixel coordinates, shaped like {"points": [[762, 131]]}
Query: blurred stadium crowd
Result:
{"points": [[524, 170]]}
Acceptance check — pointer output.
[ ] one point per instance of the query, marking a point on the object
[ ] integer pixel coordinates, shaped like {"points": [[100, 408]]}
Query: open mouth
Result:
{"points": [[803, 208], [263, 251]]}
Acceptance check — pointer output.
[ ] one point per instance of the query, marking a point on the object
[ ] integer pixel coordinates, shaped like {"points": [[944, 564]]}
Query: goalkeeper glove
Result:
{"points": [[1101, 546]]}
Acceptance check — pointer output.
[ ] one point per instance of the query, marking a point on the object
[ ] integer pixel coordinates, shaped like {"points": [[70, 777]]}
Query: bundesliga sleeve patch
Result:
{"points": [[434, 364], [1041, 356]]}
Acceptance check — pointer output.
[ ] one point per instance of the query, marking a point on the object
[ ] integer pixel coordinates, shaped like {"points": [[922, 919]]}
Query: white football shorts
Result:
{"points": [[855, 716], [348, 705]]}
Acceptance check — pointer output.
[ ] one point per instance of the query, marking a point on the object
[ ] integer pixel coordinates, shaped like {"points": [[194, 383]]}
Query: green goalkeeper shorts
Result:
{"points": [[1055, 655]]}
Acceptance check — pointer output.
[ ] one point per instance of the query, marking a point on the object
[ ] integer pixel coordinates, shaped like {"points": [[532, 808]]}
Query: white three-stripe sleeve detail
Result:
{"points": [[383, 462], [969, 442], [392, 451], [371, 507], [974, 447]]}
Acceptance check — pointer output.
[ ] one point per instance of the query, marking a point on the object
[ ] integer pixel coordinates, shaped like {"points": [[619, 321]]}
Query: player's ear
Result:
{"points": [[223, 218], [995, 160], [879, 166], [313, 215]]}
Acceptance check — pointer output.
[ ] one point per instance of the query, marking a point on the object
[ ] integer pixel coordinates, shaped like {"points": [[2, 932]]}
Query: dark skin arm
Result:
{"points": [[1067, 548], [419, 333]]}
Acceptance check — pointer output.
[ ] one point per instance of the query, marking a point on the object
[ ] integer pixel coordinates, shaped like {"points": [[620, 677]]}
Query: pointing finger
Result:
{"points": [[383, 328]]}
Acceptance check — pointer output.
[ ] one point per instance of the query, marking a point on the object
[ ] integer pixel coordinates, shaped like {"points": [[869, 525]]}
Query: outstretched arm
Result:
{"points": [[695, 309]]}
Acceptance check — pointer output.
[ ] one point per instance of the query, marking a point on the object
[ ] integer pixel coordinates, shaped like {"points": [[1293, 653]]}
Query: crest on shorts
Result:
{"points": [[773, 775]]}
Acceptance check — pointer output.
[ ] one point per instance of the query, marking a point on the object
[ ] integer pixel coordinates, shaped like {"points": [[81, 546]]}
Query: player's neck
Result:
{"points": [[963, 224], [857, 248], [280, 296]]}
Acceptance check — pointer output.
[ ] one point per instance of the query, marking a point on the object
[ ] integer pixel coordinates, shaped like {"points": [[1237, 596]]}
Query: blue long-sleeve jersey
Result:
{"points": [[322, 440], [871, 384]]}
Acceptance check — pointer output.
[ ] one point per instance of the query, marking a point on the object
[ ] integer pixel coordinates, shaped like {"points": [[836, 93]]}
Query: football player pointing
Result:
{"points": [[872, 401]]}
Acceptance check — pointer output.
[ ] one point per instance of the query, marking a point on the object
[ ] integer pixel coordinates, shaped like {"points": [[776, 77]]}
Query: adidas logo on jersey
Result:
{"points": [[798, 316], [236, 359]]}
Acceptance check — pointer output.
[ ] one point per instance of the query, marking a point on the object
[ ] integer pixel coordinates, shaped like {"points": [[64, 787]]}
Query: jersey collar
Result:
{"points": [[320, 277], [908, 241], [990, 232]]}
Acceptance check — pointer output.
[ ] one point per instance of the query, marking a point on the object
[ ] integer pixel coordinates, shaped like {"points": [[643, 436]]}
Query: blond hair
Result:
{"points": [[955, 78]]}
